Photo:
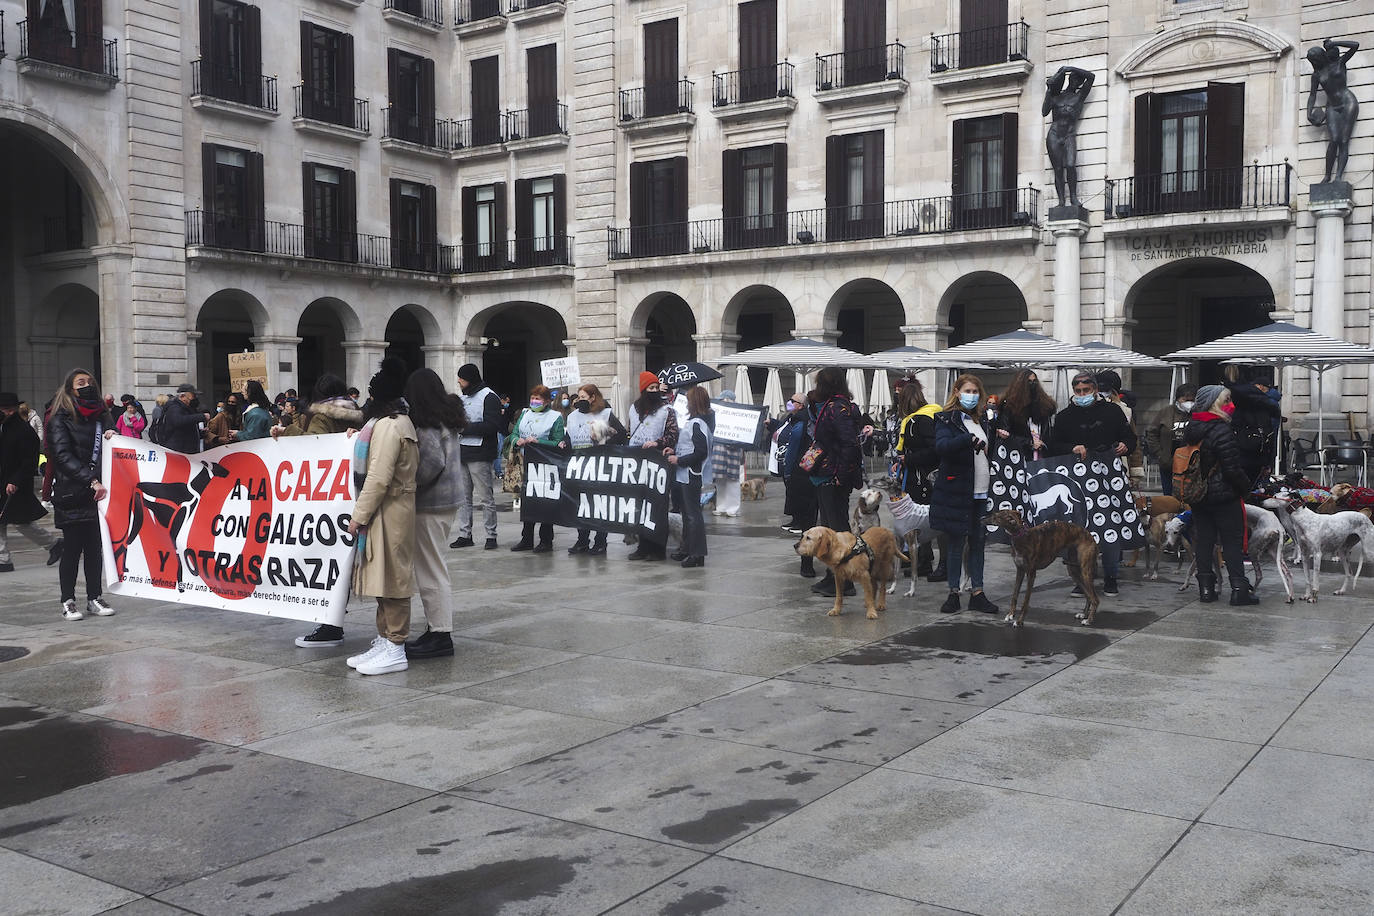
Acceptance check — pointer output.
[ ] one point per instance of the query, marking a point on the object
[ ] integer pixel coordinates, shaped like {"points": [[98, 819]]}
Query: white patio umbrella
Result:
{"points": [[773, 398], [881, 398], [744, 391], [1283, 344], [915, 359], [1104, 354], [1015, 349], [858, 387], [800, 355], [618, 405]]}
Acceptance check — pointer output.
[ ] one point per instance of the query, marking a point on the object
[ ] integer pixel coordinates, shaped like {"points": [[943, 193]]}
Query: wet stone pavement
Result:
{"points": [[631, 738]]}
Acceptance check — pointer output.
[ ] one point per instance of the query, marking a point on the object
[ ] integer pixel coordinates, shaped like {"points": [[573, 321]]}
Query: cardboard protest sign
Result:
{"points": [[260, 526], [244, 367], [562, 372], [738, 424], [606, 487]]}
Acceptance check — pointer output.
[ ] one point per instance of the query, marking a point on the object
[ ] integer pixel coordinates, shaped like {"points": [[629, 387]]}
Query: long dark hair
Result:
{"points": [[1021, 403], [650, 401], [831, 382], [431, 406], [255, 395], [328, 386]]}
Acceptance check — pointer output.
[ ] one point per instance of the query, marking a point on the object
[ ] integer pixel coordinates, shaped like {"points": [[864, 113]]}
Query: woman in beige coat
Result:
{"points": [[385, 455]]}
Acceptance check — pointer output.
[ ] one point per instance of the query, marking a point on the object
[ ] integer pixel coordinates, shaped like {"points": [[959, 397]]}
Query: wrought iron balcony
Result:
{"points": [[517, 6], [332, 108], [857, 68], [1200, 190], [429, 12], [542, 119], [400, 124], [291, 240], [233, 84], [61, 234], [655, 100], [487, 129], [516, 254], [475, 10], [979, 47], [88, 51], [752, 85], [1019, 207]]}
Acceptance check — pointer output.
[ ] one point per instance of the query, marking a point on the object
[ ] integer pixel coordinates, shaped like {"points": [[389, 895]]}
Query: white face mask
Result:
{"points": [[1185, 406]]}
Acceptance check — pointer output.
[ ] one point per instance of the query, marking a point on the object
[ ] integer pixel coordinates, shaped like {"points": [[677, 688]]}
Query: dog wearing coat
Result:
{"points": [[910, 521], [1349, 535], [1034, 548], [868, 559]]}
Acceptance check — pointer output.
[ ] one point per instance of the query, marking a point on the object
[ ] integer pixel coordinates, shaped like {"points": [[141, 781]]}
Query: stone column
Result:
{"points": [[629, 361], [443, 359], [283, 368], [363, 359], [113, 264], [1331, 206], [929, 337], [711, 347], [1068, 278], [193, 339]]}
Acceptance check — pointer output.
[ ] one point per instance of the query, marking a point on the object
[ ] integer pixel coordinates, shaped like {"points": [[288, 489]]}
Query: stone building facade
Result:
{"points": [[641, 181]]}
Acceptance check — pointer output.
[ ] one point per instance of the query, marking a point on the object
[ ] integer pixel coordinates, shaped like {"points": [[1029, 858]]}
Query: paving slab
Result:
{"points": [[443, 855], [437, 741], [692, 791], [611, 689], [1337, 718], [474, 661], [967, 847], [31, 887], [1286, 666], [675, 602], [570, 630], [41, 647], [1300, 794], [735, 650], [854, 725], [1220, 871], [807, 614], [1086, 761]]}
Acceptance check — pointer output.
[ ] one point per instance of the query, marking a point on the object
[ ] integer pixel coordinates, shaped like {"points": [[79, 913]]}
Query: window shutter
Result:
{"points": [[397, 242], [469, 220], [1225, 125], [524, 209], [427, 101], [207, 176], [834, 172], [956, 165], [90, 37], [255, 192], [393, 81], [875, 191], [731, 185], [344, 78], [1147, 161], [680, 188], [308, 208], [499, 233], [780, 227], [560, 218], [639, 193], [207, 43], [307, 71], [252, 54], [429, 227], [348, 214]]}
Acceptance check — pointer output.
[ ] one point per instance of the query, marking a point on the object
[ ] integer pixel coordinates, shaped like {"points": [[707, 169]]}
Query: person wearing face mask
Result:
{"points": [[1220, 514], [1091, 427], [19, 505], [653, 424], [181, 421], [959, 498], [76, 430], [1165, 433], [589, 407], [799, 497], [536, 425], [1027, 415], [131, 421], [222, 426]]}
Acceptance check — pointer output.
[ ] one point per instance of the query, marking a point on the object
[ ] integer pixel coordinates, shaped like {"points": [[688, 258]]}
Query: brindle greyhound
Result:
{"points": [[1032, 549]]}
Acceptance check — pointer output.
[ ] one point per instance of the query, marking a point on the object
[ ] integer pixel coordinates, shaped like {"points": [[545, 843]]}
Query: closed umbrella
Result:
{"points": [[881, 398], [773, 398], [618, 405], [858, 387], [744, 392]]}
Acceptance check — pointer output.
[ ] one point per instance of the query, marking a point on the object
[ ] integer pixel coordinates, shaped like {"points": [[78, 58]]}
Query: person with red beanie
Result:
{"points": [[653, 424]]}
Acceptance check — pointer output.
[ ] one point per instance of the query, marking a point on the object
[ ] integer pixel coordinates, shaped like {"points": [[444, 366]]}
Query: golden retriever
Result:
{"points": [[873, 569]]}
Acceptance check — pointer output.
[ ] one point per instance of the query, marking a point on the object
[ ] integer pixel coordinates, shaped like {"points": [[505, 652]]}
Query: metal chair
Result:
{"points": [[1308, 458], [1343, 455]]}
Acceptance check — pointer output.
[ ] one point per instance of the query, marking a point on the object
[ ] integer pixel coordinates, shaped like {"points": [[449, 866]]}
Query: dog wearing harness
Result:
{"points": [[868, 560]]}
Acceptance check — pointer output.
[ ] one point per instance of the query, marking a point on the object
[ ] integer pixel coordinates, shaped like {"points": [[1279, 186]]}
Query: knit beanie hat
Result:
{"points": [[389, 384], [646, 379], [1207, 396], [470, 374]]}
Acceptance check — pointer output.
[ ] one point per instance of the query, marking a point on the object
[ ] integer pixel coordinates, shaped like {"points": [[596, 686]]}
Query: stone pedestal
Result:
{"points": [[1331, 206], [1069, 213], [1068, 277]]}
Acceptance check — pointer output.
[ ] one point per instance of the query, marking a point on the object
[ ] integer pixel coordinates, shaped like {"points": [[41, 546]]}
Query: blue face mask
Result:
{"points": [[968, 400], [1084, 400], [537, 405]]}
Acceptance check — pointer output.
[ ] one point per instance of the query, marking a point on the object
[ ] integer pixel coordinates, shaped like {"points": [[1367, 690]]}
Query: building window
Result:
{"points": [[541, 87], [540, 221], [984, 172], [233, 195], [658, 207], [484, 227], [414, 226], [865, 41], [410, 84], [486, 101], [331, 218], [854, 186], [754, 196], [327, 66], [982, 32], [661, 72], [67, 32], [1189, 149], [758, 50]]}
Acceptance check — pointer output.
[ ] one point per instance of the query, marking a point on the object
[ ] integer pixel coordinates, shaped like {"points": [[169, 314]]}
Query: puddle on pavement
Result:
{"points": [[56, 753], [1003, 640], [697, 903], [10, 653], [484, 890], [720, 824]]}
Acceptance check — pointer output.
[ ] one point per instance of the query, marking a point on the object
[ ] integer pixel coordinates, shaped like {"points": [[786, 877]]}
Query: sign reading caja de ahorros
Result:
{"points": [[260, 526], [606, 487]]}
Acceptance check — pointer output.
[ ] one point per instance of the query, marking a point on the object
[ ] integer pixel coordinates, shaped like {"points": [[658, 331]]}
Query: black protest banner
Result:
{"points": [[606, 487], [1093, 492], [1007, 489]]}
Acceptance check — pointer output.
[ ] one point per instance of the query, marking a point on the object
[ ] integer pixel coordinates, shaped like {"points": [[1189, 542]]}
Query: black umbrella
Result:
{"points": [[680, 375]]}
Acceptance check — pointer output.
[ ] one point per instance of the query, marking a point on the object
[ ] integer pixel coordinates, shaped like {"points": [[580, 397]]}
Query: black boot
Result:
{"points": [[1207, 587], [808, 568], [925, 560], [1242, 594], [826, 587], [938, 574]]}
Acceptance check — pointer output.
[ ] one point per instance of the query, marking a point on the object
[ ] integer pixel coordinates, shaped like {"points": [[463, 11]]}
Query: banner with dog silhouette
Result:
{"points": [[1093, 492], [605, 487], [260, 526]]}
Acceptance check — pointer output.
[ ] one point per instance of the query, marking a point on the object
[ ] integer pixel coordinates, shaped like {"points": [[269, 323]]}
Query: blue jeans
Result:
{"points": [[976, 538]]}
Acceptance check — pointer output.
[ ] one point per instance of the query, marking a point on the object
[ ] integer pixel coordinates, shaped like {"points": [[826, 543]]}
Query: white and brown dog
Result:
{"points": [[910, 520]]}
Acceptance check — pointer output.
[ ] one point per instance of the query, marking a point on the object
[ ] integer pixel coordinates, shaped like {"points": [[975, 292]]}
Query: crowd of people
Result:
{"points": [[426, 460]]}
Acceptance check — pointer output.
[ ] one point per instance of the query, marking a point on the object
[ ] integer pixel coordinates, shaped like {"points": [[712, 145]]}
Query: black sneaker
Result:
{"points": [[578, 547], [6, 567], [596, 550], [323, 637], [1077, 592], [544, 547], [55, 552], [462, 542], [678, 555], [490, 545], [951, 605], [1109, 587], [980, 602], [938, 574], [522, 545], [430, 645]]}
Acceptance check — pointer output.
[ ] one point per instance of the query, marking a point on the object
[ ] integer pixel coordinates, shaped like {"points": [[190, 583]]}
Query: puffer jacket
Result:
{"points": [[951, 498], [75, 458], [1220, 452], [335, 415]]}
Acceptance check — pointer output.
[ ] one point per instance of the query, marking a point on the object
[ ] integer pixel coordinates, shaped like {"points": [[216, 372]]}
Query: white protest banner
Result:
{"points": [[738, 424], [245, 367], [260, 527], [561, 372]]}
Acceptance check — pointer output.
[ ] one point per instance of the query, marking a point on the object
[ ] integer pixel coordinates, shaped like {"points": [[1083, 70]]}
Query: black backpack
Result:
{"points": [[158, 428]]}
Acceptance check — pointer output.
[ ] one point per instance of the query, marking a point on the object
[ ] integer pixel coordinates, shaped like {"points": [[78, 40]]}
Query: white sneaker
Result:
{"points": [[70, 611], [99, 608], [377, 643], [390, 657]]}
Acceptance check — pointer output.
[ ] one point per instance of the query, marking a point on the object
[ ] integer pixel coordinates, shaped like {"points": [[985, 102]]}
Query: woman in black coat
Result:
{"points": [[839, 472], [959, 498], [77, 428], [1220, 514], [19, 506]]}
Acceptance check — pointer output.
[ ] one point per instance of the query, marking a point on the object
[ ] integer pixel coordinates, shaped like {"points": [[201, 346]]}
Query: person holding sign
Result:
{"points": [[693, 448], [653, 424], [538, 425], [959, 499], [591, 422], [727, 460]]}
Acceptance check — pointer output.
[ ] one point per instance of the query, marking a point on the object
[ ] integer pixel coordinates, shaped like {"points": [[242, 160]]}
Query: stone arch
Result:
{"points": [[759, 300], [65, 332], [668, 325], [981, 304], [409, 330], [323, 326], [517, 334], [867, 315], [227, 322]]}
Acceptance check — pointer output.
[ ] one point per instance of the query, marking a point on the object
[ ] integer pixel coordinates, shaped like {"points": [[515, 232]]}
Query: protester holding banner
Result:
{"points": [[959, 497], [591, 422], [485, 422], [331, 410], [1026, 416], [181, 421], [439, 420], [693, 448], [727, 461], [653, 425], [385, 457], [539, 424], [1092, 427], [77, 428], [838, 469], [1220, 514]]}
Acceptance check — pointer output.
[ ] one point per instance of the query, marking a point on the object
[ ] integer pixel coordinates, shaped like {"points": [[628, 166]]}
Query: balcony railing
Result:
{"points": [[656, 100], [2, 33], [484, 130], [475, 10], [514, 254], [979, 47], [232, 84], [1200, 190], [797, 228], [518, 5], [752, 85], [290, 240], [542, 119], [430, 12], [332, 108], [78, 50], [61, 234], [412, 127], [857, 68]]}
